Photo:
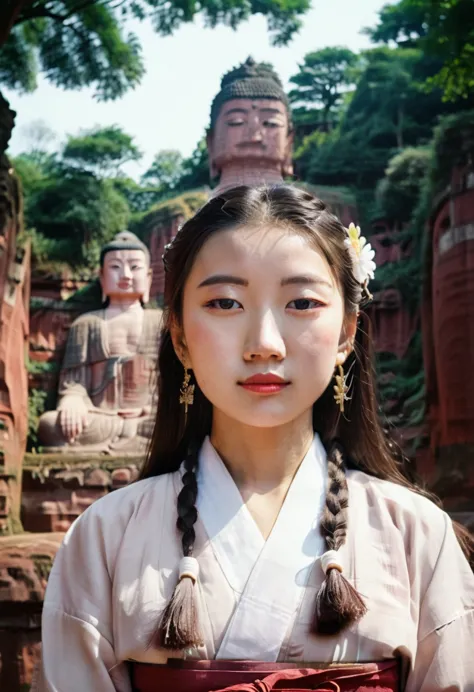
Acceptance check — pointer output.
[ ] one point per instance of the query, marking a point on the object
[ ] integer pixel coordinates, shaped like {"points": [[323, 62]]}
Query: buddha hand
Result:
{"points": [[72, 417]]}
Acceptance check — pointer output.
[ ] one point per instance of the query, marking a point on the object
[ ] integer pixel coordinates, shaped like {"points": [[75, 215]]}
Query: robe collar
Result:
{"points": [[269, 577]]}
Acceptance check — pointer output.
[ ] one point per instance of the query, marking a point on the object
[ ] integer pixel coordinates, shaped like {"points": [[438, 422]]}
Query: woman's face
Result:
{"points": [[261, 302]]}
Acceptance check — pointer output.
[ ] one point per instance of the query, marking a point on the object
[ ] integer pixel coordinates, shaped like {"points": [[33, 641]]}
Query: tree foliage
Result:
{"points": [[165, 171], [398, 192], [388, 111], [195, 168], [323, 77], [443, 29], [78, 43], [102, 151]]}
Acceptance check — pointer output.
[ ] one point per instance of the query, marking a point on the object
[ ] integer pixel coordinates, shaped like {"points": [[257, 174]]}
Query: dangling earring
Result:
{"points": [[341, 388], [186, 393]]}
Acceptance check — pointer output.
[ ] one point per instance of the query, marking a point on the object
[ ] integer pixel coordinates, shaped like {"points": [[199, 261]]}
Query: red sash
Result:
{"points": [[252, 676]]}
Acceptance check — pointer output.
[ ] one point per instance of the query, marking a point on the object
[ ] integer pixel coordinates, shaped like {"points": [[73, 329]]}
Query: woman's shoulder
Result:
{"points": [[113, 512], [399, 500]]}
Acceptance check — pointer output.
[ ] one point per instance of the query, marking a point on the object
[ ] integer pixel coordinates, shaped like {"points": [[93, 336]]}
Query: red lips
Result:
{"points": [[264, 383]]}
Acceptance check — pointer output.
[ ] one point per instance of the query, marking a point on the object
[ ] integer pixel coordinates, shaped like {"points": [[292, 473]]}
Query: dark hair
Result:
{"points": [[358, 432]]}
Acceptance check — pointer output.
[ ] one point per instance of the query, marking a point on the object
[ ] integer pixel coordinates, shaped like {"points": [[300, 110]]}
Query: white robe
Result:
{"points": [[117, 569]]}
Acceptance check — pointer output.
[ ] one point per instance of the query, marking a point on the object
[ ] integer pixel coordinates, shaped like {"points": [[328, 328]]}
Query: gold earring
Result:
{"points": [[186, 393], [340, 388]]}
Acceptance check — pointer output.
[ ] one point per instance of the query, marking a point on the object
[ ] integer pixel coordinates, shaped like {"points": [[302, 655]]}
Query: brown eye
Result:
{"points": [[223, 304], [304, 304]]}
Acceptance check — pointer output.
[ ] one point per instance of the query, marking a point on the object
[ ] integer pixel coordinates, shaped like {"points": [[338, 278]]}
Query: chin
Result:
{"points": [[263, 416]]}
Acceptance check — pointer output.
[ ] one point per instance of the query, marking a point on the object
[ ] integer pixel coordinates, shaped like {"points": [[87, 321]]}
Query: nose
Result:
{"points": [[126, 271], [255, 128], [265, 340]]}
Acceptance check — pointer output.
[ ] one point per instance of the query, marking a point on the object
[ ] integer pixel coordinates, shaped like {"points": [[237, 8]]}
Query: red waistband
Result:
{"points": [[252, 676]]}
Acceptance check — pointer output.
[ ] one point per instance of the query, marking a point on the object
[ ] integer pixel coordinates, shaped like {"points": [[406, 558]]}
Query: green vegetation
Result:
{"points": [[79, 43], [36, 406], [443, 30]]}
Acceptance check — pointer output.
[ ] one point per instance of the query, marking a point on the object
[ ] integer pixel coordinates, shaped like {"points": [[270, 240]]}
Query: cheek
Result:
{"points": [[318, 346], [140, 280], [208, 341], [109, 280]]}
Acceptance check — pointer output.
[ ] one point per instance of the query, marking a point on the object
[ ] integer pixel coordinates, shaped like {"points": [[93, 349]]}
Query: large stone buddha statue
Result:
{"points": [[106, 391], [250, 137]]}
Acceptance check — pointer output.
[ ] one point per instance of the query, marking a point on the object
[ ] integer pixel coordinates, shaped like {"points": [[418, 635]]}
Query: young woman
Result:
{"points": [[272, 525]]}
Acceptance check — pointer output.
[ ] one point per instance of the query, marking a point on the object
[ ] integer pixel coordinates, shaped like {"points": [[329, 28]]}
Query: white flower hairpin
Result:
{"points": [[361, 253]]}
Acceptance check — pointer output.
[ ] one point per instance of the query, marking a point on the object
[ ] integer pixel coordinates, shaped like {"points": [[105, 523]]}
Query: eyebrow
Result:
{"points": [[271, 110], [236, 110], [223, 279], [298, 280], [305, 280]]}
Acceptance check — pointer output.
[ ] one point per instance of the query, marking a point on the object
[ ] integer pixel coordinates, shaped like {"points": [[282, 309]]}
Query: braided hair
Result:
{"points": [[180, 626], [337, 604]]}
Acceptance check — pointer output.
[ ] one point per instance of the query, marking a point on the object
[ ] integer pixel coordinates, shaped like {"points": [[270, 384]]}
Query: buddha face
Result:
{"points": [[251, 129], [125, 275]]}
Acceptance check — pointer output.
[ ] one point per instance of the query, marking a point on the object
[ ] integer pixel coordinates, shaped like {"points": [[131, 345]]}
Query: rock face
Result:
{"points": [[25, 563], [14, 306]]}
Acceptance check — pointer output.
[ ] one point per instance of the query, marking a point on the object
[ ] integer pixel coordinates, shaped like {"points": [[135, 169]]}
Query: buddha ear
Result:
{"points": [[213, 172], [101, 282], [287, 169], [146, 294]]}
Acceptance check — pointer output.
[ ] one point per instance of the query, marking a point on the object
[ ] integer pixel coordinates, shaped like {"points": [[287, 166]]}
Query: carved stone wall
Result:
{"points": [[56, 491], [25, 563], [14, 305], [448, 330]]}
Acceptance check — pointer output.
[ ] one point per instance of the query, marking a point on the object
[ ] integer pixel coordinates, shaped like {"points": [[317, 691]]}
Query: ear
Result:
{"points": [[179, 343], [101, 282], [348, 333], [213, 172], [146, 295], [288, 162]]}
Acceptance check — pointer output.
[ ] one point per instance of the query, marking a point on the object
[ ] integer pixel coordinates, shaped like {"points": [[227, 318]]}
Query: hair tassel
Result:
{"points": [[180, 626], [338, 604]]}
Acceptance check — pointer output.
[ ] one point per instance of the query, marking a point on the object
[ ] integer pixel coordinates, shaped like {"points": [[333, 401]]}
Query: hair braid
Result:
{"points": [[187, 512], [180, 624], [337, 604]]}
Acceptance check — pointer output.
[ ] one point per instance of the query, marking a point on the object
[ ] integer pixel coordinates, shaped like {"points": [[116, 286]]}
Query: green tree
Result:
{"points": [[71, 214], [195, 168], [321, 82], [388, 111], [78, 43], [399, 191], [102, 151], [165, 171], [443, 29]]}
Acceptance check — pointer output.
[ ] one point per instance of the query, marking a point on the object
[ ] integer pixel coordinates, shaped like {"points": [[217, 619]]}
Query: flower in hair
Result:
{"points": [[361, 253]]}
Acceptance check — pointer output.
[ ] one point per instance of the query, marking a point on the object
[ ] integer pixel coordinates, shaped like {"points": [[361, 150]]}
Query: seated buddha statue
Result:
{"points": [[106, 391]]}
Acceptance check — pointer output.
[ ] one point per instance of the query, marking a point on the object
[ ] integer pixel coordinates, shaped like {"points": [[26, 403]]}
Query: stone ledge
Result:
{"points": [[36, 461]]}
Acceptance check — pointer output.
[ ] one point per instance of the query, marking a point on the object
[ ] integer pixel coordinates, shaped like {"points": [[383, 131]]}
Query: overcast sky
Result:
{"points": [[170, 109]]}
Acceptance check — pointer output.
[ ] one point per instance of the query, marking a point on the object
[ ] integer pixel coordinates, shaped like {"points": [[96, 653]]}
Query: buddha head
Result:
{"points": [[125, 272], [250, 121]]}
